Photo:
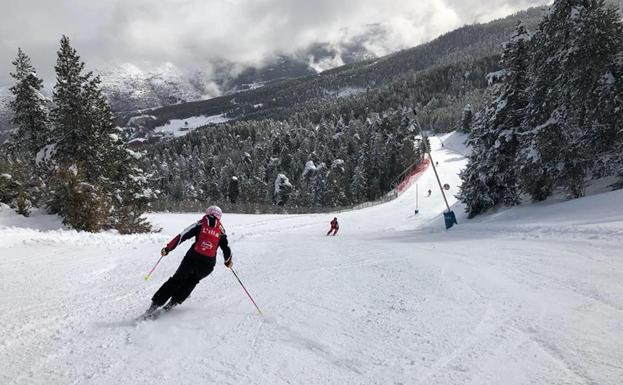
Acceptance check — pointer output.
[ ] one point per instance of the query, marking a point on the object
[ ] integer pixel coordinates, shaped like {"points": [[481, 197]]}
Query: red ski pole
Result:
{"points": [[245, 290], [153, 268]]}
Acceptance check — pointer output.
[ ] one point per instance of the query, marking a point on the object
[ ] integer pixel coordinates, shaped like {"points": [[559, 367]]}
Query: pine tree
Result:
{"points": [[82, 205], [490, 177], [606, 138], [507, 112], [70, 114], [31, 122], [98, 183], [467, 118], [30, 114], [15, 189], [336, 181], [125, 183], [283, 189], [476, 181], [359, 184], [233, 190]]}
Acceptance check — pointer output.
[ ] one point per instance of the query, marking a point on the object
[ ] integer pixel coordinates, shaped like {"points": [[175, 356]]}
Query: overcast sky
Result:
{"points": [[194, 33]]}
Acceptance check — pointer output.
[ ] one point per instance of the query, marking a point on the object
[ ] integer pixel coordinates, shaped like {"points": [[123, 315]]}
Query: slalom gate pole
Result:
{"points": [[246, 291], [153, 268], [416, 196]]}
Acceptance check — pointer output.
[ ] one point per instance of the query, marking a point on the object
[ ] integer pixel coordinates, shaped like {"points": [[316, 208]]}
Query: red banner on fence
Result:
{"points": [[412, 176]]}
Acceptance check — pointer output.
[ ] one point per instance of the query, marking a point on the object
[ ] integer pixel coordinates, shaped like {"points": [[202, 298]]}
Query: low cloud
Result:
{"points": [[199, 33]]}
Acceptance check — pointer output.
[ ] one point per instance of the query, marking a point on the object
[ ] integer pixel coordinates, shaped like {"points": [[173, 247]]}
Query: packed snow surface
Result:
{"points": [[530, 295], [181, 127]]}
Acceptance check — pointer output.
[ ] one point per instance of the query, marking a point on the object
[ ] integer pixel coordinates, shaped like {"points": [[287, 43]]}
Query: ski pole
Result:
{"points": [[153, 268], [245, 290]]}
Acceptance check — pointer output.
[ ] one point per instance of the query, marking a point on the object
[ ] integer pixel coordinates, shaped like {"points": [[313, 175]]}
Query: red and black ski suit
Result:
{"points": [[198, 262], [334, 227]]}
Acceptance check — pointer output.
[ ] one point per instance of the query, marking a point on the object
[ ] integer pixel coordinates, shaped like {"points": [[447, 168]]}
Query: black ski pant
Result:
{"points": [[194, 268]]}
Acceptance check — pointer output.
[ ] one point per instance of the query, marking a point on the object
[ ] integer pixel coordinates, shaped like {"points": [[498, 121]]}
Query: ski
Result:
{"points": [[153, 315], [149, 316]]}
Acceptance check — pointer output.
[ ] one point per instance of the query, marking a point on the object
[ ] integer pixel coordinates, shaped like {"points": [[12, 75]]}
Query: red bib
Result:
{"points": [[208, 238]]}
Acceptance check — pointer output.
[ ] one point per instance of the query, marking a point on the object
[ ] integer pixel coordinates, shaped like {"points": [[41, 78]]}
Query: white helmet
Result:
{"points": [[214, 211]]}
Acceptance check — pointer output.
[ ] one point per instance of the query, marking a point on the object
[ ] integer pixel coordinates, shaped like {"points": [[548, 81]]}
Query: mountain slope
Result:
{"points": [[464, 45], [532, 295]]}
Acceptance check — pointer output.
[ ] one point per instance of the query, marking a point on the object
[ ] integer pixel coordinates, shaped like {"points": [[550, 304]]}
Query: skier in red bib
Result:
{"points": [[198, 262], [334, 227]]}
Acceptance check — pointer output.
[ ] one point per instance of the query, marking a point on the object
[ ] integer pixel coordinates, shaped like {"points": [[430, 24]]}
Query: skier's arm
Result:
{"points": [[224, 245], [189, 232]]}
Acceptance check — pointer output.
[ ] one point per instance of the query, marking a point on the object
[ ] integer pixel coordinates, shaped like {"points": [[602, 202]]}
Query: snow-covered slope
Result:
{"points": [[130, 88], [181, 127], [531, 295]]}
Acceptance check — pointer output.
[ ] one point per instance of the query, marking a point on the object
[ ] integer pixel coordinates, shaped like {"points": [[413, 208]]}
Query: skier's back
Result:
{"points": [[198, 262]]}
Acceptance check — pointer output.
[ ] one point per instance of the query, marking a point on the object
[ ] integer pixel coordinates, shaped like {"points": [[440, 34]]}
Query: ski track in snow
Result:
{"points": [[530, 295]]}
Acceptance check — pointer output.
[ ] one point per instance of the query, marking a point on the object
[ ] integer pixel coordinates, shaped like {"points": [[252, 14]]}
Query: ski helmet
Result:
{"points": [[214, 211]]}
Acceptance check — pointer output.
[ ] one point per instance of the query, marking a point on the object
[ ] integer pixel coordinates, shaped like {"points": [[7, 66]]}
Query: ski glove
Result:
{"points": [[229, 263], [164, 251]]}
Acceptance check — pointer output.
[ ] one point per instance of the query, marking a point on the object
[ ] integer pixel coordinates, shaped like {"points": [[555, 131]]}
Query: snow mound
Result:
{"points": [[38, 220]]}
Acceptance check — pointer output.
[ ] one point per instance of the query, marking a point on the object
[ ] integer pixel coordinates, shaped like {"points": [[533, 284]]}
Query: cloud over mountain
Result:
{"points": [[202, 33]]}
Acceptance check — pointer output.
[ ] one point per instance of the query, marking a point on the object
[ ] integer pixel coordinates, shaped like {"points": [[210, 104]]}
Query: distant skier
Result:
{"points": [[437, 164], [334, 227], [429, 192], [198, 262]]}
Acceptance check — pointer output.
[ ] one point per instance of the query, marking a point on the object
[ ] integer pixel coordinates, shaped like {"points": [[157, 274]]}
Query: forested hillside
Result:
{"points": [[335, 152], [277, 100], [307, 145]]}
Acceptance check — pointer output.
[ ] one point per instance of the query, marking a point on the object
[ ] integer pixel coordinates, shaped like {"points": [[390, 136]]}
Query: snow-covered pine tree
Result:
{"points": [[408, 153], [234, 189], [508, 110], [128, 188], [282, 191], [490, 177], [74, 195], [98, 183], [574, 47], [610, 138], [475, 186], [467, 118], [15, 189], [72, 131], [125, 183], [336, 184], [359, 183], [318, 185], [30, 112], [606, 137], [82, 205], [30, 118]]}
